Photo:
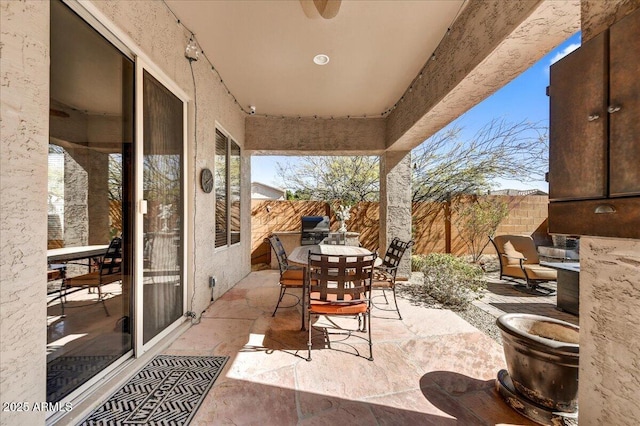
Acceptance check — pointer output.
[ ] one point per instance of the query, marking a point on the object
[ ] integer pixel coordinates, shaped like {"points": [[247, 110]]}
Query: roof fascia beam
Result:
{"points": [[491, 43]]}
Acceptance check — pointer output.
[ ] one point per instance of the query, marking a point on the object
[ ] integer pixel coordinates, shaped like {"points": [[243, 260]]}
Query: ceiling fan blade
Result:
{"points": [[309, 9], [326, 9]]}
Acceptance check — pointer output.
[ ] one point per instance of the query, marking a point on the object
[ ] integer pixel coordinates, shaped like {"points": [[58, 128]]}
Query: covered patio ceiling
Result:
{"points": [[408, 67], [375, 50]]}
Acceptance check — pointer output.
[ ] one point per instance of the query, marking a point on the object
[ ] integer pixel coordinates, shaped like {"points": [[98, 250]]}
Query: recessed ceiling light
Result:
{"points": [[321, 59]]}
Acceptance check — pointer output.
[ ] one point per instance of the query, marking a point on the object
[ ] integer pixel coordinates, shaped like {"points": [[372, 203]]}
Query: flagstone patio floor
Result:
{"points": [[430, 368]]}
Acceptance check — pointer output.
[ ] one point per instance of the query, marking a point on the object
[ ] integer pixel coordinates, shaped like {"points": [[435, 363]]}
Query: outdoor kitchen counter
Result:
{"points": [[568, 293]]}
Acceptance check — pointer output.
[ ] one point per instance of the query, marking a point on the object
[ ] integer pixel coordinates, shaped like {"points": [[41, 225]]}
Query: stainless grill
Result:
{"points": [[314, 229]]}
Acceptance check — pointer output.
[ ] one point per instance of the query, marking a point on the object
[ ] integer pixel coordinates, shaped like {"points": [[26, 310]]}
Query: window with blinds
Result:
{"points": [[222, 145], [227, 190], [234, 192]]}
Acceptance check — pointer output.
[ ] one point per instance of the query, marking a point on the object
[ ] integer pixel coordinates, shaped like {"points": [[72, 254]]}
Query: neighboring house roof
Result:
{"points": [[517, 192], [262, 191]]}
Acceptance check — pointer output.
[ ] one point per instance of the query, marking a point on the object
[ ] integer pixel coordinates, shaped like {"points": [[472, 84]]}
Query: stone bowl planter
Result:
{"points": [[542, 359]]}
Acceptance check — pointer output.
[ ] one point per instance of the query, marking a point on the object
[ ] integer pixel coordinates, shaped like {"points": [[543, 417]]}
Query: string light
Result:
{"points": [[192, 39], [192, 51]]}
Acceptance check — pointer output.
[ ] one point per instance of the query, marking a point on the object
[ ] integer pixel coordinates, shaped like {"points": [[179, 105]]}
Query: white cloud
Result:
{"points": [[564, 52]]}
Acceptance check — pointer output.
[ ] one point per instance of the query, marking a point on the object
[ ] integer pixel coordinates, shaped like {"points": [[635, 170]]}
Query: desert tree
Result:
{"points": [[447, 167], [447, 164], [477, 220], [348, 179]]}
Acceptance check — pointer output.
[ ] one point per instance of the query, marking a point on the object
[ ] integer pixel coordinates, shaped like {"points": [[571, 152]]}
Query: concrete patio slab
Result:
{"points": [[432, 367]]}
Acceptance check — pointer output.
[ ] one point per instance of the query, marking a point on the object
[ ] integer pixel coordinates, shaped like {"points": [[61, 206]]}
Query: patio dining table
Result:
{"points": [[68, 254], [59, 258], [300, 254]]}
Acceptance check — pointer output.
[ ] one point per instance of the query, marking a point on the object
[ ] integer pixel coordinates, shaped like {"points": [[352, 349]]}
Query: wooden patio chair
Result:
{"points": [[518, 256], [339, 285], [109, 271], [384, 276]]}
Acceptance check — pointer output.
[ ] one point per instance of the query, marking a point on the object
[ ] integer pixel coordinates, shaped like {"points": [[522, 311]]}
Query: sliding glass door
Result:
{"points": [[90, 181], [116, 260], [163, 218]]}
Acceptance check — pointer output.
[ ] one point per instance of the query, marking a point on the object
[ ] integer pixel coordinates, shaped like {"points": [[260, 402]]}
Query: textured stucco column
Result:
{"points": [[609, 392], [98, 200], [86, 197], [76, 211], [24, 102], [395, 203]]}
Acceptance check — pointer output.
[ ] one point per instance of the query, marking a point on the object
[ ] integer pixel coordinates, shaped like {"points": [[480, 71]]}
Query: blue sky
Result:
{"points": [[524, 98]]}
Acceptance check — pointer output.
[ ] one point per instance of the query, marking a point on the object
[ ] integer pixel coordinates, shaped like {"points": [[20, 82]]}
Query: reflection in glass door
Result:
{"points": [[90, 188], [162, 190]]}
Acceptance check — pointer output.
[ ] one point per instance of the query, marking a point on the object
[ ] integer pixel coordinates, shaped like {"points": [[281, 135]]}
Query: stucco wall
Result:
{"points": [[23, 185], [609, 392], [321, 136], [24, 100], [154, 29], [609, 331]]}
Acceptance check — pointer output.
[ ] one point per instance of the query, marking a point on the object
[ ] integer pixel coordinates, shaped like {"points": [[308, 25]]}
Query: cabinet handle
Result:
{"points": [[613, 109], [605, 208], [593, 117]]}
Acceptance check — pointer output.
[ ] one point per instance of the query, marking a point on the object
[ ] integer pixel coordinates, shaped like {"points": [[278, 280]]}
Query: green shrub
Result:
{"points": [[417, 262], [451, 280]]}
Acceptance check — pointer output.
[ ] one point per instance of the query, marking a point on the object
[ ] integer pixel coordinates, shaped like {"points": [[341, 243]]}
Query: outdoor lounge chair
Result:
{"points": [[109, 271], [384, 276], [518, 256], [291, 277], [340, 285]]}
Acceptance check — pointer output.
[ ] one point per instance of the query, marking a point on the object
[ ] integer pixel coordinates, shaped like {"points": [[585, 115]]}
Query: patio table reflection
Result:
{"points": [[68, 254], [58, 258]]}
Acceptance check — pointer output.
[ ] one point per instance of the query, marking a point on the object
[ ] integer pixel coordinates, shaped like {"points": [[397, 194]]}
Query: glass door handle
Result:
{"points": [[143, 207]]}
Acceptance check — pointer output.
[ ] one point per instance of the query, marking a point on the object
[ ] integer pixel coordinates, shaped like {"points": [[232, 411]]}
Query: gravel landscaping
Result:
{"points": [[474, 315], [481, 320]]}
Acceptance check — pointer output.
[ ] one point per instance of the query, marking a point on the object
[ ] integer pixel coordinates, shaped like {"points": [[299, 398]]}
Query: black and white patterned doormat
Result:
{"points": [[167, 391]]}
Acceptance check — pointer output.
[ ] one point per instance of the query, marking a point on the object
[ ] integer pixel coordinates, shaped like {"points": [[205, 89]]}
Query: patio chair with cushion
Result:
{"points": [[109, 271], [339, 285], [518, 256], [384, 276], [291, 277]]}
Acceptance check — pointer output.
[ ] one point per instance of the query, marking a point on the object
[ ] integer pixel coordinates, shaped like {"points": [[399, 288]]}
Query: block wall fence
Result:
{"points": [[527, 215]]}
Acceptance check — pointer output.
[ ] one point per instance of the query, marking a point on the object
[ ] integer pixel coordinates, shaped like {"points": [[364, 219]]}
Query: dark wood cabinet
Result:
{"points": [[624, 107], [594, 135]]}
